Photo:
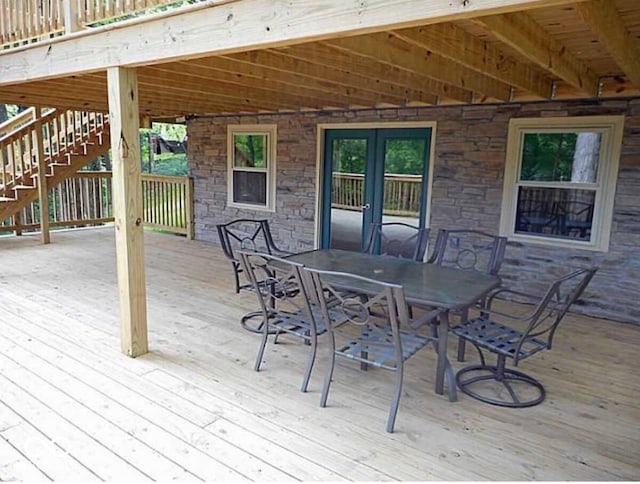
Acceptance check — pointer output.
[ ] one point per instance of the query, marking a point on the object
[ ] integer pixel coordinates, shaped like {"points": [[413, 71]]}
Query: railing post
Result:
{"points": [[71, 23], [17, 222], [188, 202], [43, 189]]}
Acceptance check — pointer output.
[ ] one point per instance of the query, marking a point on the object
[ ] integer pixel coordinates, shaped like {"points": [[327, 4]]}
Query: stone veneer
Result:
{"points": [[467, 188]]}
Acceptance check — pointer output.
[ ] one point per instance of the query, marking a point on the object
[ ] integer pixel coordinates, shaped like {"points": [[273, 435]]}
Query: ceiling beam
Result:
{"points": [[604, 20], [209, 28], [356, 84], [452, 42], [390, 50], [322, 53], [523, 34]]}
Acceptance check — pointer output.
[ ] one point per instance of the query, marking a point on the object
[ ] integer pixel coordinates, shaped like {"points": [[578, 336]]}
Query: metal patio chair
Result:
{"points": [[399, 240], [284, 304], [517, 338], [249, 235], [375, 331], [468, 250]]}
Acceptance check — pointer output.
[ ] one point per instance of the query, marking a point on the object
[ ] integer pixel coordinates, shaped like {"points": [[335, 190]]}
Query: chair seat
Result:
{"points": [[498, 338], [379, 350], [296, 324]]}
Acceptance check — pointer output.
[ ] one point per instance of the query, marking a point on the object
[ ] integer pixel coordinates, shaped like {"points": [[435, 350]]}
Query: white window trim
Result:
{"points": [[612, 129], [253, 129]]}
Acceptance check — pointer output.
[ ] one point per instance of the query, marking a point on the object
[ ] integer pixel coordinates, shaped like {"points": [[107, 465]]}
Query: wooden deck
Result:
{"points": [[72, 407]]}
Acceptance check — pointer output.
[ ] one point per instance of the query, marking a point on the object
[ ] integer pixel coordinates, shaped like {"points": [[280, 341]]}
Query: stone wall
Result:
{"points": [[467, 189]]}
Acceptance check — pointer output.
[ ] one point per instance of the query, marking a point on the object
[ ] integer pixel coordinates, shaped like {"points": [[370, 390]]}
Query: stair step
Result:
{"points": [[7, 199]]}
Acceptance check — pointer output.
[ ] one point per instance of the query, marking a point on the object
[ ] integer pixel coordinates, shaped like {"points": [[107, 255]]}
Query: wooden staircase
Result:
{"points": [[66, 141]]}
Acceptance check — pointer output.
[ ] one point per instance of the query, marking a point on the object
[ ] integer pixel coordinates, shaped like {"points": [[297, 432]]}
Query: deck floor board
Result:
{"points": [[193, 408]]}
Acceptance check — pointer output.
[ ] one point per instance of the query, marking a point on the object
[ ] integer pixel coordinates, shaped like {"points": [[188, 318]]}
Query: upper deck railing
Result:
{"points": [[27, 21]]}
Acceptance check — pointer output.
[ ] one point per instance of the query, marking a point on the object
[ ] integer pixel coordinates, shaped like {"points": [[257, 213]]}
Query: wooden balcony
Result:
{"points": [[72, 407]]}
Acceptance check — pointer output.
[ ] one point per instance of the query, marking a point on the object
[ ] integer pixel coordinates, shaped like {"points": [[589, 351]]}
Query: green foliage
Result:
{"points": [[249, 150], [403, 156], [548, 156]]}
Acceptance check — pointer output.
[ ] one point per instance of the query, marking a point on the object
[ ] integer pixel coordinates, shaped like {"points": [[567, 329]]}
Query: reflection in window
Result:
{"points": [[560, 180]]}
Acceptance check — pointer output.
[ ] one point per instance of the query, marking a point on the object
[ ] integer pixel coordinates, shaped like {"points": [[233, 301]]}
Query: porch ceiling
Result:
{"points": [[583, 50]]}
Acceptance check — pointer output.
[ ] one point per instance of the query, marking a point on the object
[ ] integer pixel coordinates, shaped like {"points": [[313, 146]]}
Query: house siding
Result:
{"points": [[470, 148]]}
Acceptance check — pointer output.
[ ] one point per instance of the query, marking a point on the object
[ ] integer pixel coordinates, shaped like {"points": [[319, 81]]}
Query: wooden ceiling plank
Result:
{"points": [[390, 50], [208, 29], [604, 20], [298, 86], [452, 42], [527, 37], [318, 52], [312, 71]]}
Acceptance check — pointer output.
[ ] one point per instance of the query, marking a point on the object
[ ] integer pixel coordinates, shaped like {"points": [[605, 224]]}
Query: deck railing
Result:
{"points": [[25, 21], [401, 193], [86, 199]]}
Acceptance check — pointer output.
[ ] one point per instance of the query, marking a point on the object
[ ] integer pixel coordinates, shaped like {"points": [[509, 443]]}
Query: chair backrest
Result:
{"points": [[548, 313], [469, 250], [278, 284], [245, 234], [399, 240], [379, 315]]}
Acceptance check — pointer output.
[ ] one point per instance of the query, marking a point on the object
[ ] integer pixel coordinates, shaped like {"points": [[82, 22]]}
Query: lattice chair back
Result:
{"points": [[374, 330], [283, 301], [248, 235], [469, 250], [399, 240], [516, 337], [553, 306]]}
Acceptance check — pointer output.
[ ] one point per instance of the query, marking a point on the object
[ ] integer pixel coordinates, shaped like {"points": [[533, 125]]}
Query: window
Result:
{"points": [[251, 166], [560, 180]]}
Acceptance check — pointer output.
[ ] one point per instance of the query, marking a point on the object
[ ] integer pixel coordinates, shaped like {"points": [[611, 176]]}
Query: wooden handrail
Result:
{"points": [[24, 21], [401, 193], [63, 133], [17, 121], [86, 198]]}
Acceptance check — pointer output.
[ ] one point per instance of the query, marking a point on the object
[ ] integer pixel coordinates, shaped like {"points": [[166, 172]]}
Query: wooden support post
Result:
{"points": [[127, 205], [43, 189], [71, 21], [17, 223], [188, 209]]}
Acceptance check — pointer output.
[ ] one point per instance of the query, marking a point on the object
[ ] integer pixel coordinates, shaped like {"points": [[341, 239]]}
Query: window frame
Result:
{"points": [[612, 130], [270, 130]]}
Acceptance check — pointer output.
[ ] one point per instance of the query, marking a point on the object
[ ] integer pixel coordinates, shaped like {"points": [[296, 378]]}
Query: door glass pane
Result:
{"points": [[403, 173], [561, 157], [555, 212], [348, 160]]}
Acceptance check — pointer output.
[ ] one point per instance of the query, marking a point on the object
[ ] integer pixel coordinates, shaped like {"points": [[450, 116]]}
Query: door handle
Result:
{"points": [[365, 206]]}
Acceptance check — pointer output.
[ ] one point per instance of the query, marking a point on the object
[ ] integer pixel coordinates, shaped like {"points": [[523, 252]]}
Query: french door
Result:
{"points": [[372, 176]]}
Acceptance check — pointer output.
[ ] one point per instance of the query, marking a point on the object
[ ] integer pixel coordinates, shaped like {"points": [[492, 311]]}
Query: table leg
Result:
{"points": [[444, 367]]}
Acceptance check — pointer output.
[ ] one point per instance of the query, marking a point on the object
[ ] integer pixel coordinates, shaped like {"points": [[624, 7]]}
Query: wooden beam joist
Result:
{"points": [[354, 86], [604, 20], [208, 29], [523, 34], [327, 55], [390, 50], [452, 42]]}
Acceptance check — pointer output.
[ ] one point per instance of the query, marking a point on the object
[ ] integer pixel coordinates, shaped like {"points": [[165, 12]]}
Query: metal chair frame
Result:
{"points": [[488, 333], [283, 302], [246, 234], [386, 337], [413, 247]]}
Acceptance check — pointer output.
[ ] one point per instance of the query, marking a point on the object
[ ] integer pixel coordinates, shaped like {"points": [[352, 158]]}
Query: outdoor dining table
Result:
{"points": [[427, 285]]}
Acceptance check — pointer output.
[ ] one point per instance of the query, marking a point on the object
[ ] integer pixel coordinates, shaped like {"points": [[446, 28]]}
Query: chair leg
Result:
{"points": [[461, 348], [263, 344], [328, 376], [395, 403], [312, 358]]}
